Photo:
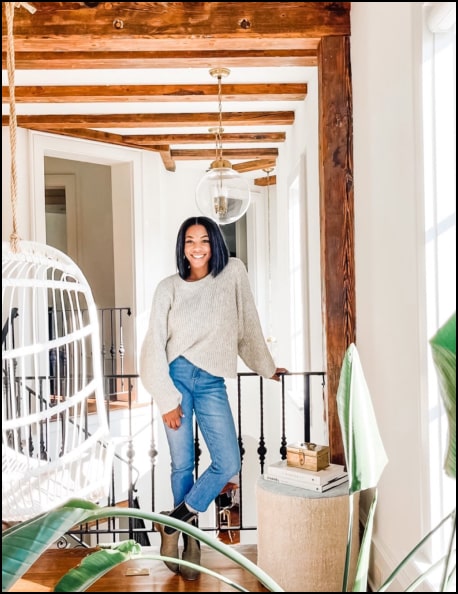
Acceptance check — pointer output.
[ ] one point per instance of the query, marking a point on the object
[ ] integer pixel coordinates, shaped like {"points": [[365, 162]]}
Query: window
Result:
{"points": [[296, 267], [439, 146]]}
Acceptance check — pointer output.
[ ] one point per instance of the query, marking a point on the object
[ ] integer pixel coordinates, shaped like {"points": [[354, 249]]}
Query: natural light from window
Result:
{"points": [[439, 142], [297, 304]]}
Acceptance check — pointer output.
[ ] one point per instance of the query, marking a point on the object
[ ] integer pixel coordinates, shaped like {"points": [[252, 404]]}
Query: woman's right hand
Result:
{"points": [[172, 418]]}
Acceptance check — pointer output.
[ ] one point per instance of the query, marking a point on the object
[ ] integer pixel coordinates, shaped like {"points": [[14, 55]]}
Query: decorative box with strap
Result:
{"points": [[307, 455]]}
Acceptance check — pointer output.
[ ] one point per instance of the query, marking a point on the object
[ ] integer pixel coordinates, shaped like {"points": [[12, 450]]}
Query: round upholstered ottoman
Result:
{"points": [[302, 536]]}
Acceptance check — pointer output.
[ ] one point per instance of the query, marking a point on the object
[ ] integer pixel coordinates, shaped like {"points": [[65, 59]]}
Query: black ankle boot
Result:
{"points": [[181, 512], [191, 553]]}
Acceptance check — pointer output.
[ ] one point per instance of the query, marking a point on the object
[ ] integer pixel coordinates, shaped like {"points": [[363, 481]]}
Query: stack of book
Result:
{"points": [[319, 480]]}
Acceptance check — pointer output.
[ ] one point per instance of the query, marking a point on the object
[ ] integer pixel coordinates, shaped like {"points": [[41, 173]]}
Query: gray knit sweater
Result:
{"points": [[209, 322]]}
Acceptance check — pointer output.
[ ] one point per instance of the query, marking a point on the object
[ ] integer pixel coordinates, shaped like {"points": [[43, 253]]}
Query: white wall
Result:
{"points": [[389, 261]]}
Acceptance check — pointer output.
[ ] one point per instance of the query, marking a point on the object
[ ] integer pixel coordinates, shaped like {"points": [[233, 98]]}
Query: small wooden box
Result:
{"points": [[307, 455]]}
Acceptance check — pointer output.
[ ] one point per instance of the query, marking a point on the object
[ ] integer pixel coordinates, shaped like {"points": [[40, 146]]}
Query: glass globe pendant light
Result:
{"points": [[222, 194]]}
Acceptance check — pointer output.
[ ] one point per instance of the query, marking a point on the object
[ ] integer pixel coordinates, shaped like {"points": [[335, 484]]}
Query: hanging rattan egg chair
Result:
{"points": [[55, 436]]}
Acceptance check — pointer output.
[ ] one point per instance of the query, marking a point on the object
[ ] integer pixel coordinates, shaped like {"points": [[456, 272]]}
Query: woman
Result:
{"points": [[201, 319]]}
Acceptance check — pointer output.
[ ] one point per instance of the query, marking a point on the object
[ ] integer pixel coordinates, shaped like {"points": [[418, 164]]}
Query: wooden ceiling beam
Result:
{"points": [[156, 93], [191, 26], [270, 180], [242, 137], [93, 60], [88, 134], [255, 165], [151, 120], [167, 159], [231, 154], [263, 157], [116, 139]]}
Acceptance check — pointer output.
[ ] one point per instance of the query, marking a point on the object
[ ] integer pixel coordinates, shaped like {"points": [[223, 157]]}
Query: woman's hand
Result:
{"points": [[278, 373], [173, 418]]}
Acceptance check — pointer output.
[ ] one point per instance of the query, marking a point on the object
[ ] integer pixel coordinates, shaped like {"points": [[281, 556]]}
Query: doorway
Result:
{"points": [[60, 213]]}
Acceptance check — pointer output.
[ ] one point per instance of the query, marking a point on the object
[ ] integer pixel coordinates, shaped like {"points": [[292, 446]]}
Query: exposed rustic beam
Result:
{"points": [[98, 136], [169, 156], [152, 120], [270, 180], [161, 26], [147, 139], [157, 93], [238, 153], [336, 220], [255, 165], [167, 159], [77, 60], [117, 139]]}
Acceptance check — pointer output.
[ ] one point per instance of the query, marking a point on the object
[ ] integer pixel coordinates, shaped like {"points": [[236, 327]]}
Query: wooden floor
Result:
{"points": [[128, 577]]}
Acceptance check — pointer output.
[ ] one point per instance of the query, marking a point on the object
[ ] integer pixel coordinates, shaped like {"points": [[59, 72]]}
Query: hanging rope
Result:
{"points": [[10, 8]]}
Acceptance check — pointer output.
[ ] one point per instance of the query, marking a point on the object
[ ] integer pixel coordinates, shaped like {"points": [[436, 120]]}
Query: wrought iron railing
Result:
{"points": [[255, 459], [268, 416]]}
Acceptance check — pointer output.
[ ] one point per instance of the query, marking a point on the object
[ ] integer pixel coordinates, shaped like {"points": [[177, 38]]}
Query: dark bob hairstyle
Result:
{"points": [[219, 249]]}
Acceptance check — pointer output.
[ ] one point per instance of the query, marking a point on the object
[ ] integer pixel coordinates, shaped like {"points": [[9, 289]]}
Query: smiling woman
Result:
{"points": [[202, 319]]}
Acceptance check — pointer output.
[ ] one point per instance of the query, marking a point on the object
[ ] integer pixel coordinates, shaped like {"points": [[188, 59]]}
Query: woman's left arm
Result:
{"points": [[252, 344]]}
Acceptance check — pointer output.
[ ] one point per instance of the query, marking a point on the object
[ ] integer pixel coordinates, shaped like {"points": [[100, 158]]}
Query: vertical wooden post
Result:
{"points": [[337, 218]]}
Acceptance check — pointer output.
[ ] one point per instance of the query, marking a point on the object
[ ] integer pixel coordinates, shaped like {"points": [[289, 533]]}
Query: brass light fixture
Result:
{"points": [[222, 194]]}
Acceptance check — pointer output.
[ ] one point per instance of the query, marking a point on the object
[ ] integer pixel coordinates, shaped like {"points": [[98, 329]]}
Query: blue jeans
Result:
{"points": [[204, 395]]}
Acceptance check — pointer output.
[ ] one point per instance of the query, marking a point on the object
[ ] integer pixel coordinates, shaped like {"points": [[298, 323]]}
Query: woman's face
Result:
{"points": [[197, 249]]}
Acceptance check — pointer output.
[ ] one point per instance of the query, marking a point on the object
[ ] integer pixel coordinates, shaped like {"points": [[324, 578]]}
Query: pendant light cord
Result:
{"points": [[268, 171], [269, 252], [219, 73], [219, 130]]}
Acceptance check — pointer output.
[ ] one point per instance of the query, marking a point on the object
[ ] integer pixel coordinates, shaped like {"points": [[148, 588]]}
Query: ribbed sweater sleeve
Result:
{"points": [[210, 322]]}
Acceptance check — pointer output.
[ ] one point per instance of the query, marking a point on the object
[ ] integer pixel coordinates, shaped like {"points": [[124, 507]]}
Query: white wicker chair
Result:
{"points": [[55, 437]]}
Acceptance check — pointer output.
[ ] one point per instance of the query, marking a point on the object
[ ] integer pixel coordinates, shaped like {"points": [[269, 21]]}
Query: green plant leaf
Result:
{"points": [[365, 454], [387, 583], [23, 543], [362, 565], [20, 549], [97, 564], [443, 349]]}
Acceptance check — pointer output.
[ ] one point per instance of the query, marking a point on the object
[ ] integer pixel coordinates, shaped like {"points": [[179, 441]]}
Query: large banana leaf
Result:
{"points": [[23, 543], [97, 564], [443, 349], [365, 455]]}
